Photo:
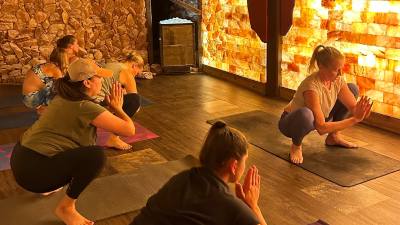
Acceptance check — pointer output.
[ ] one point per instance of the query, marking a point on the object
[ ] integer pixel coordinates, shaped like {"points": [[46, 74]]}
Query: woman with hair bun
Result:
{"points": [[201, 195], [70, 44]]}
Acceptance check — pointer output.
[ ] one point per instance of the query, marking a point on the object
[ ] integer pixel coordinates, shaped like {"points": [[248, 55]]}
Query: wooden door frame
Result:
{"points": [[149, 25]]}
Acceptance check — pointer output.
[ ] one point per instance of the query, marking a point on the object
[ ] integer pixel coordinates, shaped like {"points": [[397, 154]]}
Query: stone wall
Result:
{"points": [[30, 28]]}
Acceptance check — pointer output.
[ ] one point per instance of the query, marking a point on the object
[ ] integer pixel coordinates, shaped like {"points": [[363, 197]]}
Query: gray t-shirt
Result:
{"points": [[327, 97], [107, 83], [195, 197], [65, 125]]}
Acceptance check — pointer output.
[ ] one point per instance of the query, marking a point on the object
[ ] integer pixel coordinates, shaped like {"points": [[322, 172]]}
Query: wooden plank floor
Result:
{"points": [[290, 195]]}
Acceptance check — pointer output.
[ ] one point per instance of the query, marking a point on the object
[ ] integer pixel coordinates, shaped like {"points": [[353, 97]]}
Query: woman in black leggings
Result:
{"points": [[59, 149]]}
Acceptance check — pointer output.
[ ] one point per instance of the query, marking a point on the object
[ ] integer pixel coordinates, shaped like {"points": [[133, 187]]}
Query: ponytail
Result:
{"points": [[323, 55]]}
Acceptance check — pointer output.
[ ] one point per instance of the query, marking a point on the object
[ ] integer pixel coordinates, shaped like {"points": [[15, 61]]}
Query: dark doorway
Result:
{"points": [[167, 9]]}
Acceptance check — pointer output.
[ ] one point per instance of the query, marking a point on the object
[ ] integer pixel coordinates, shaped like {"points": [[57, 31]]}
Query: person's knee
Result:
{"points": [[354, 89], [307, 118], [131, 104], [96, 157]]}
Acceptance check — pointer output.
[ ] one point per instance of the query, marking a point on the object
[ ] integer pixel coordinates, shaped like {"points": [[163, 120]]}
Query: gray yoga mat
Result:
{"points": [[345, 167], [105, 197]]}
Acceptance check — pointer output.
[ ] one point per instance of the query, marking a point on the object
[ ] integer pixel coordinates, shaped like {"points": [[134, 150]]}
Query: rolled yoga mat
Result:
{"points": [[104, 198], [345, 167]]}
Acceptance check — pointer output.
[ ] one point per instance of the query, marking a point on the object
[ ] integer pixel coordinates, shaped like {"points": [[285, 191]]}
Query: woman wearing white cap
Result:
{"points": [[59, 149]]}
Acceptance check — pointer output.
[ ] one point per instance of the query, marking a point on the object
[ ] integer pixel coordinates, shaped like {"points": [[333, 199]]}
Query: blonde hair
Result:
{"points": [[323, 55], [133, 57], [60, 58]]}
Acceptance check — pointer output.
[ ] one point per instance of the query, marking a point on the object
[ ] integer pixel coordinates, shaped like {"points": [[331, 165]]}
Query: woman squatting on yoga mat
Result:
{"points": [[123, 72], [37, 88], [59, 149], [322, 102], [201, 195], [38, 83]]}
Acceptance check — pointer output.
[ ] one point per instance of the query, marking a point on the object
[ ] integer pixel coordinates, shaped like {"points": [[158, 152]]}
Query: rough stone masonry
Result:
{"points": [[30, 28]]}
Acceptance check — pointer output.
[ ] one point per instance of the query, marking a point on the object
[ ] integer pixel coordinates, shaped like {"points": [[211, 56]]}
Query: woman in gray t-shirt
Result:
{"points": [[322, 102]]}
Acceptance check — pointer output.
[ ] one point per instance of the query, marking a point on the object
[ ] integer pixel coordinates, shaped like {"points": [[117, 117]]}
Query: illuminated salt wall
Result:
{"points": [[366, 31], [229, 43]]}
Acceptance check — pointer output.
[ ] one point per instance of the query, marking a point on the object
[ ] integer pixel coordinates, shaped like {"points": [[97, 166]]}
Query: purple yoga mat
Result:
{"points": [[142, 133], [5, 155]]}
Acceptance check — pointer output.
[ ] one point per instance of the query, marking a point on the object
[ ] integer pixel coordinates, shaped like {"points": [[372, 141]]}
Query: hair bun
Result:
{"points": [[219, 124]]}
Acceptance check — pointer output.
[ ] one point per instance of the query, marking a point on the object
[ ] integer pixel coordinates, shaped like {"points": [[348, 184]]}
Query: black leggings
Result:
{"points": [[39, 174], [131, 104]]}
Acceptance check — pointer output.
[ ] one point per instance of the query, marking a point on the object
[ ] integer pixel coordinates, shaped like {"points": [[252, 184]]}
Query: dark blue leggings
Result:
{"points": [[299, 123], [74, 167]]}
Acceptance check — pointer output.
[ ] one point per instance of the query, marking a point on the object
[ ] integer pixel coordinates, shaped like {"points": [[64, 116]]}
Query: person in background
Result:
{"points": [[59, 149], [124, 72], [322, 102], [38, 83], [201, 195], [70, 44]]}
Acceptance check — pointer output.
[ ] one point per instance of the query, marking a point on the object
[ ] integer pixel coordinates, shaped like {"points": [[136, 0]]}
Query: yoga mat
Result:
{"points": [[105, 197], [141, 134], [21, 119], [5, 155], [16, 100], [11, 101], [145, 102], [130, 161], [345, 167], [319, 222]]}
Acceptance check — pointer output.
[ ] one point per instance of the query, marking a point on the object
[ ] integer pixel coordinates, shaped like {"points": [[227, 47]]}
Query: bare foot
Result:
{"points": [[335, 139], [70, 216], [116, 142], [51, 192], [296, 154]]}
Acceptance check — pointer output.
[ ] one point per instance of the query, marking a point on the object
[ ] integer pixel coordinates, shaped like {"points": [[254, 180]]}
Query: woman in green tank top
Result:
{"points": [[59, 149]]}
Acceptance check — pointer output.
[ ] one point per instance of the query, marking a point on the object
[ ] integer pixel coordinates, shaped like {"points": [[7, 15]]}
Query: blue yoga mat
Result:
{"points": [[145, 102], [16, 100], [11, 101], [22, 119]]}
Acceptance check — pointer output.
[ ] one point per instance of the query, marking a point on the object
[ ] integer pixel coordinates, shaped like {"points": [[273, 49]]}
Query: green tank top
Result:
{"points": [[65, 125]]}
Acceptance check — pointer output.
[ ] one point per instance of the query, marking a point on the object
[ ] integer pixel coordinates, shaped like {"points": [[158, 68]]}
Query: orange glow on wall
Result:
{"points": [[229, 43], [368, 34]]}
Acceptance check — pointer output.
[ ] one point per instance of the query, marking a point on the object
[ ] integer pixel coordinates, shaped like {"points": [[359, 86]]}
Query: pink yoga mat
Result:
{"points": [[5, 155], [142, 133]]}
